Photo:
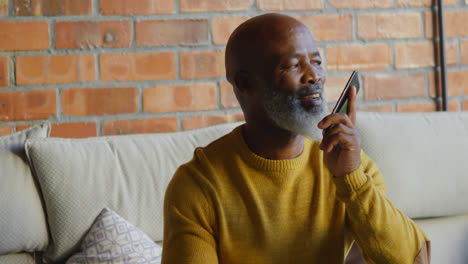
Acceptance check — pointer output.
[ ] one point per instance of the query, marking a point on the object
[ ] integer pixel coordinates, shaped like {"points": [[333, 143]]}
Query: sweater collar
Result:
{"points": [[267, 164]]}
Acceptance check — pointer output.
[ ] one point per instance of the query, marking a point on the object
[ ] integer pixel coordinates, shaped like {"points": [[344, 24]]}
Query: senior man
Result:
{"points": [[271, 191]]}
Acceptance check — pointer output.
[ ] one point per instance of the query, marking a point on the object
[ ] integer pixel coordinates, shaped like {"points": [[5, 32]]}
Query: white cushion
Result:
{"points": [[22, 220], [79, 177], [112, 239], [449, 238], [423, 159]]}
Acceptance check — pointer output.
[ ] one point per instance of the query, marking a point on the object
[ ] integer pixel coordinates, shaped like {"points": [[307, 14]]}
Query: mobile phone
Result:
{"points": [[341, 105]]}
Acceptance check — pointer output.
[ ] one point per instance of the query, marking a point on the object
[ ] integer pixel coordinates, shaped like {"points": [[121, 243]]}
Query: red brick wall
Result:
{"points": [[104, 67]]}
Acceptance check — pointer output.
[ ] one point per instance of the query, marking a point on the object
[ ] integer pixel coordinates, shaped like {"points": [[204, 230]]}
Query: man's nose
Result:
{"points": [[310, 75]]}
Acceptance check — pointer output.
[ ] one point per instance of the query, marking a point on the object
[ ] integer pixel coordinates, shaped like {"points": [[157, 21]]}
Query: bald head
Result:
{"points": [[254, 42], [275, 69]]}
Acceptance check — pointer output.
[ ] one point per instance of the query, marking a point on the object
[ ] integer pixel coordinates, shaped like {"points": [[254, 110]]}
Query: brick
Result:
{"points": [[334, 86], [282, 5], [27, 35], [419, 3], [137, 7], [203, 121], [464, 51], [329, 27], [173, 98], [172, 32], [153, 125], [55, 69], [455, 24], [358, 57], [421, 54], [417, 107], [201, 64], [52, 7], [190, 6], [223, 28], [361, 4], [453, 106], [27, 105], [4, 71], [92, 34], [389, 26], [383, 86], [22, 127], [138, 66], [457, 81], [376, 108], [99, 101], [228, 98], [3, 7], [74, 130], [236, 117], [5, 131]]}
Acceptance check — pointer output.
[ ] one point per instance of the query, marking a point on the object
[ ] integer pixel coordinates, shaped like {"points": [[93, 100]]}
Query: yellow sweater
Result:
{"points": [[229, 205]]}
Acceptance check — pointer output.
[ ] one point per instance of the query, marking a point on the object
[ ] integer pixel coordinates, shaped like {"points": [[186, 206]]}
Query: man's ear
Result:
{"points": [[243, 82]]}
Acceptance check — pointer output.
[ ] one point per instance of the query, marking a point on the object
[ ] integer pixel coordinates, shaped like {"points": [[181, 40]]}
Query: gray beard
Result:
{"points": [[287, 112]]}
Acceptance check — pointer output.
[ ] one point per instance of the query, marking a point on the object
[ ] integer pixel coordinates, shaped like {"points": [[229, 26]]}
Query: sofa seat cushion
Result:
{"points": [[79, 177], [22, 219], [422, 157], [18, 258], [449, 238]]}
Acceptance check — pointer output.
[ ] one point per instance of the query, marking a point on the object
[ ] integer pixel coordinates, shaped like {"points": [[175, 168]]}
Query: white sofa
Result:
{"points": [[423, 157]]}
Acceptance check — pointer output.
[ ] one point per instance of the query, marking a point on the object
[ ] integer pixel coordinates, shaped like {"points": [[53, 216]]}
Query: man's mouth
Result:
{"points": [[311, 99], [312, 96]]}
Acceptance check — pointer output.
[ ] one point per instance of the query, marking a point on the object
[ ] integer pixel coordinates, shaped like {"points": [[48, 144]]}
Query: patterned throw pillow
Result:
{"points": [[112, 239]]}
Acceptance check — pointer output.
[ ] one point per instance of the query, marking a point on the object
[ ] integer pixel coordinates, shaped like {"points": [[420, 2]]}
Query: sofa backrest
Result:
{"points": [[424, 161], [22, 220], [423, 158], [128, 174]]}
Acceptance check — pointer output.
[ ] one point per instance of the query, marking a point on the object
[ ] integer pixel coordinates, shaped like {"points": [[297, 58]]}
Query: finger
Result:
{"points": [[339, 128], [334, 119], [352, 104], [345, 142]]}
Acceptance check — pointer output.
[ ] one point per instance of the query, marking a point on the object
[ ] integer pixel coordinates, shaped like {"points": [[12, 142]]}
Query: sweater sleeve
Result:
{"points": [[188, 228], [383, 233]]}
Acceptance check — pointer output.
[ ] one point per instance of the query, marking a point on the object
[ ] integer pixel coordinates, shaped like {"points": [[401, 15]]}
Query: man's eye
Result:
{"points": [[317, 62], [296, 65]]}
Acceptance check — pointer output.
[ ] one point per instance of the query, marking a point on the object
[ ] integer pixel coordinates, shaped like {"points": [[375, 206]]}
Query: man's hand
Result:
{"points": [[342, 142]]}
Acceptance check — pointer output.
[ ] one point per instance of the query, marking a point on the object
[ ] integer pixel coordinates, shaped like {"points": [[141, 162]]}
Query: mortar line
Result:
{"points": [[179, 123], [133, 44], [140, 105], [100, 127], [96, 8], [219, 104], [11, 72], [177, 6], [210, 32], [59, 104], [97, 70], [177, 64], [10, 8], [52, 35]]}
